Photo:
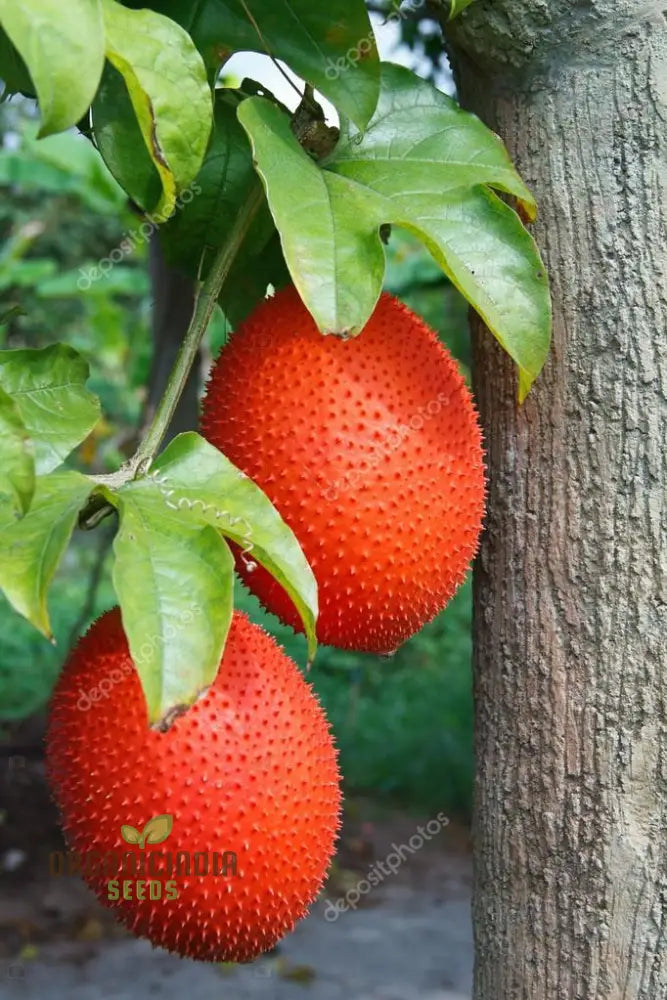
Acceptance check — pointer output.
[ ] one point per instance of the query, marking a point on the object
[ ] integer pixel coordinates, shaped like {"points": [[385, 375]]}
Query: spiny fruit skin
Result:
{"points": [[370, 449], [249, 768]]}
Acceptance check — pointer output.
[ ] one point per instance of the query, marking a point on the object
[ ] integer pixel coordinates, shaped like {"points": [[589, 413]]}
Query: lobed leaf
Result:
{"points": [[197, 480], [427, 166], [175, 582], [423, 138], [47, 386], [31, 549], [62, 46]]}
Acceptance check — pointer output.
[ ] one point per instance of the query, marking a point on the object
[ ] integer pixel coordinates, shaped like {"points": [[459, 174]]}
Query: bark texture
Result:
{"points": [[570, 898], [173, 303]]}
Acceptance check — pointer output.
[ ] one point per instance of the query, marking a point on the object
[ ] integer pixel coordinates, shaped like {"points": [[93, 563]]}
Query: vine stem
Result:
{"points": [[205, 302]]}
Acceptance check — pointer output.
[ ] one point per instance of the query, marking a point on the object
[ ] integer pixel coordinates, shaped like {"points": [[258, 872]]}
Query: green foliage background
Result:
{"points": [[404, 725]]}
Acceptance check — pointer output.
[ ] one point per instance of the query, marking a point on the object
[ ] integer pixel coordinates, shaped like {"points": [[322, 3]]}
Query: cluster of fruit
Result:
{"points": [[251, 768]]}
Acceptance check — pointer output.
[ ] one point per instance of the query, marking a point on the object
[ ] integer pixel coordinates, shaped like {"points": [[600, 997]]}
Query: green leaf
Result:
{"points": [[223, 185], [25, 273], [121, 144], [249, 277], [457, 7], [197, 480], [423, 138], [201, 224], [165, 81], [424, 165], [62, 45], [330, 45], [31, 549], [175, 583], [484, 249], [63, 164], [17, 465], [48, 389], [89, 280], [329, 234]]}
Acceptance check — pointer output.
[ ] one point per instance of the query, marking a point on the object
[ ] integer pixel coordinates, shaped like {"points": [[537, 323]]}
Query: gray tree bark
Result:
{"points": [[570, 829]]}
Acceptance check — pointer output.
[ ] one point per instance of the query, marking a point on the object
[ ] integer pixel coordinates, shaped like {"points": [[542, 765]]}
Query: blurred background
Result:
{"points": [[403, 724]]}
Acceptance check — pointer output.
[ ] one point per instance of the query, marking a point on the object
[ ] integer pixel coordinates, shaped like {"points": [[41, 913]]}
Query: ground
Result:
{"points": [[408, 939]]}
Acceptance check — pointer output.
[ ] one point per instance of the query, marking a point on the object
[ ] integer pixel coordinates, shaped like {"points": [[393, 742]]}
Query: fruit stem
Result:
{"points": [[203, 309]]}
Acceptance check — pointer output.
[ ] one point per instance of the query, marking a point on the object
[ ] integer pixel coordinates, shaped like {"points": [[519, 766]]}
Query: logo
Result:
{"points": [[145, 873], [156, 831]]}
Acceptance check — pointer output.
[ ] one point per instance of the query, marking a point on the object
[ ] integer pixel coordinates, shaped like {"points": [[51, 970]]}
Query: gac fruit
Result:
{"points": [[371, 451], [210, 839]]}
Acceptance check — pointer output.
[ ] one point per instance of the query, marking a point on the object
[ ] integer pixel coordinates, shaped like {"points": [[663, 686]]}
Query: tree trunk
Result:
{"points": [[570, 830], [173, 302]]}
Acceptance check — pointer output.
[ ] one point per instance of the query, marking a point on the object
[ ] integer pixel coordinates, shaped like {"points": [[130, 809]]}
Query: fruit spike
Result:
{"points": [[249, 769], [371, 451]]}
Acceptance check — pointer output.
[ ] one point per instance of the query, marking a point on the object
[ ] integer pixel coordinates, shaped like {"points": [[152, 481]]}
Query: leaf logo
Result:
{"points": [[130, 835], [155, 832]]}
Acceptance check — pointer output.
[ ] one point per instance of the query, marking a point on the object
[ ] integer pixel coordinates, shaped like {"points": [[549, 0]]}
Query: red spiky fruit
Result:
{"points": [[250, 768], [371, 451]]}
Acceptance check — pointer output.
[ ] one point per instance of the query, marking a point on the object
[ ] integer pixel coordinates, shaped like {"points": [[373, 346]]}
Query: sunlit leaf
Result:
{"points": [[62, 45], [198, 482], [31, 549], [174, 581]]}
